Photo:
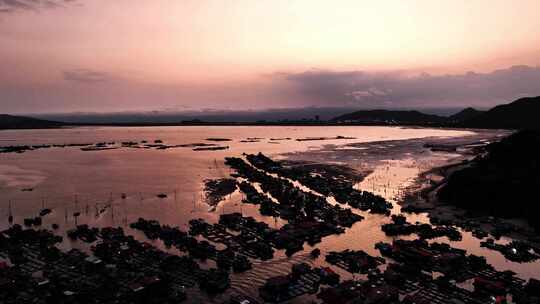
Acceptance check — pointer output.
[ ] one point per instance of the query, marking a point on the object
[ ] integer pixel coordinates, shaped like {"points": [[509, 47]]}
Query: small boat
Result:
{"points": [[94, 148], [216, 148], [45, 211]]}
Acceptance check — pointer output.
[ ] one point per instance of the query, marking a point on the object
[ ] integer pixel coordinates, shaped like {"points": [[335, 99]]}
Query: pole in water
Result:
{"points": [[10, 215], [65, 214]]}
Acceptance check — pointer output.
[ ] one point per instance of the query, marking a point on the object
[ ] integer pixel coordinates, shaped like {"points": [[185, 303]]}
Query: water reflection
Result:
{"points": [[115, 187]]}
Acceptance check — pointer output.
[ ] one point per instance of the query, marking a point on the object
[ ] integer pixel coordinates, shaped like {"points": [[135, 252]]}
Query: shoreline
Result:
{"points": [[421, 197], [67, 125]]}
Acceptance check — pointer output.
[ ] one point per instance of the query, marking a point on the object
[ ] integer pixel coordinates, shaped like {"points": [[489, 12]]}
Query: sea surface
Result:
{"points": [[115, 187]]}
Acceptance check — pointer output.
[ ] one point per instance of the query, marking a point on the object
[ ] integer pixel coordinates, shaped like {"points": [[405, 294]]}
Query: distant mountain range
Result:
{"points": [[21, 122], [520, 114], [279, 115], [390, 117]]}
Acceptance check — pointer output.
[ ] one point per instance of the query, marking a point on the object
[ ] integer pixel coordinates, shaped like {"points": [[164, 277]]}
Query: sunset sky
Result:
{"points": [[183, 55]]}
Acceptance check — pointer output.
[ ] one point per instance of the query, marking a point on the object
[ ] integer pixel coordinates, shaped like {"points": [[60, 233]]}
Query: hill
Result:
{"points": [[390, 117], [21, 122], [465, 115], [502, 182], [520, 114]]}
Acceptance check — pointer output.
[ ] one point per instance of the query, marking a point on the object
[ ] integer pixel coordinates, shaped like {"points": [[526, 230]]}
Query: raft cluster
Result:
{"points": [[118, 268]]}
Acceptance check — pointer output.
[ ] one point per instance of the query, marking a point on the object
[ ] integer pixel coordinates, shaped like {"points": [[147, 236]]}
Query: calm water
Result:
{"points": [[69, 180]]}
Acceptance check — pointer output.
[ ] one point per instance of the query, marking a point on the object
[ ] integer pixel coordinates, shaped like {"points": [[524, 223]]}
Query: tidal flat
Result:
{"points": [[165, 181]]}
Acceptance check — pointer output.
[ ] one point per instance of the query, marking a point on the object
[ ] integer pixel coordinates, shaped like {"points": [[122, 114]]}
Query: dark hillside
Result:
{"points": [[464, 115], [21, 122], [504, 182], [523, 113], [390, 117]]}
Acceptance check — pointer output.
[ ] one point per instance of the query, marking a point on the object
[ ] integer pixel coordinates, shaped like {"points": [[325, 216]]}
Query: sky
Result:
{"points": [[59, 56]]}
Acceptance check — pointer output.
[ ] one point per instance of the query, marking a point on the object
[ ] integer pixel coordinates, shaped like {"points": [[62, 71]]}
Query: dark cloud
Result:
{"points": [[10, 6], [86, 76], [398, 89]]}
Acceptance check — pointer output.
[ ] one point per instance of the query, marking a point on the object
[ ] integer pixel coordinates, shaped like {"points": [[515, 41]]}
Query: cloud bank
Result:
{"points": [[86, 76], [10, 6], [84, 89], [399, 89]]}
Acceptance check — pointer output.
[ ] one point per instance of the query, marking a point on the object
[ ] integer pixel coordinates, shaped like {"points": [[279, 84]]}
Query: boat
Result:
{"points": [[45, 211]]}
